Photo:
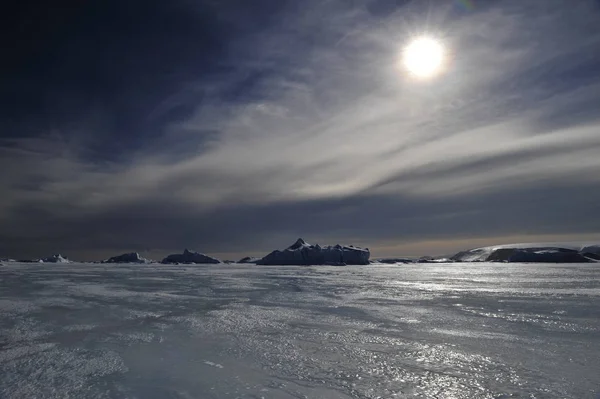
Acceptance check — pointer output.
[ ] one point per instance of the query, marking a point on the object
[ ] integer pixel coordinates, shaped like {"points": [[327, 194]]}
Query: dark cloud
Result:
{"points": [[98, 71]]}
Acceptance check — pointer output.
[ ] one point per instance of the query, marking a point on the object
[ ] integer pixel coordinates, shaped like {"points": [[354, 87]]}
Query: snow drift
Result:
{"points": [[132, 257], [190, 257], [302, 253]]}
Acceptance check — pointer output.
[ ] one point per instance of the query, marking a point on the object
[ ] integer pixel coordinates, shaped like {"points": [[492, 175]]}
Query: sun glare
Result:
{"points": [[423, 57]]}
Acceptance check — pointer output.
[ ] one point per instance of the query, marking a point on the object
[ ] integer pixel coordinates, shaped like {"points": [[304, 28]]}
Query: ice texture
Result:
{"points": [[153, 331]]}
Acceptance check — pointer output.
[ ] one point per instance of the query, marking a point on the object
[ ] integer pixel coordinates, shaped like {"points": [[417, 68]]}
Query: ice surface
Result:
{"points": [[190, 257], [302, 253], [460, 330]]}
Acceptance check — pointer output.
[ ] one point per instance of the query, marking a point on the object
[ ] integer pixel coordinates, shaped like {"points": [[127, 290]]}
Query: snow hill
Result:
{"points": [[530, 253], [302, 253], [190, 257], [132, 257]]}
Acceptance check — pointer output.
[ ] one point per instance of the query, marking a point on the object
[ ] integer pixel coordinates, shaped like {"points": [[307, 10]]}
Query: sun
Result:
{"points": [[424, 57]]}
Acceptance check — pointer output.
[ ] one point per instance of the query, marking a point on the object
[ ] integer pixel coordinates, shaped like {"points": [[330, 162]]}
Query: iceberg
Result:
{"points": [[58, 258], [552, 255], [190, 257], [591, 251], [529, 253], [132, 257], [302, 253]]}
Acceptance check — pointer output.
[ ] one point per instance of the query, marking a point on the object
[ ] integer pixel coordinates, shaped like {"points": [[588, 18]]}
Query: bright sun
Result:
{"points": [[423, 57]]}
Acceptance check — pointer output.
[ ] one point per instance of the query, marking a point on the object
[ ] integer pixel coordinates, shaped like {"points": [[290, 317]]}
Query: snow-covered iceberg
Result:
{"points": [[132, 257], [58, 258], [190, 257], [527, 253], [551, 255], [302, 253]]}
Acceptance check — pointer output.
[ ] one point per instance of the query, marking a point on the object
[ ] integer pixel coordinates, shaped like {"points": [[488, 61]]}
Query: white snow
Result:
{"points": [[302, 253], [190, 257], [153, 331]]}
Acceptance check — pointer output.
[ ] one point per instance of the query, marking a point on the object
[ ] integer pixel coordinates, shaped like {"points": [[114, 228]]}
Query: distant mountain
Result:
{"points": [[302, 253]]}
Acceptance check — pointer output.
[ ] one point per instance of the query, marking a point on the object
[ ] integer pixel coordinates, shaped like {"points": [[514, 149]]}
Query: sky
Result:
{"points": [[234, 127]]}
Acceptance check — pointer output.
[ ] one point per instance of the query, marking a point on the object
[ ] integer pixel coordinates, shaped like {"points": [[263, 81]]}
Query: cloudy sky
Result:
{"points": [[233, 127]]}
